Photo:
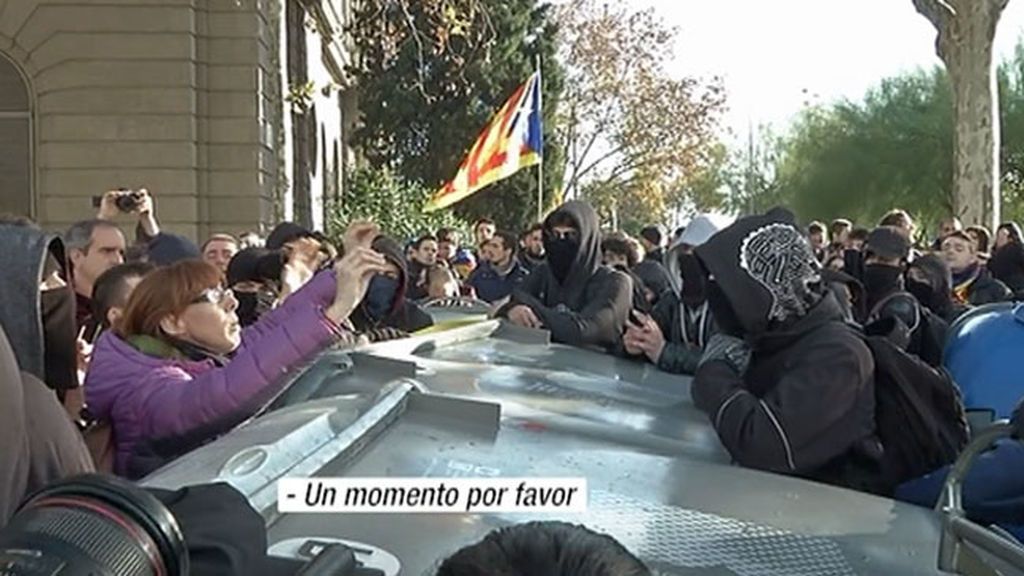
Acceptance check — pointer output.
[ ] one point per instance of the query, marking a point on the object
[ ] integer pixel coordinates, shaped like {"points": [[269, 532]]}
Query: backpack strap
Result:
{"points": [[881, 304]]}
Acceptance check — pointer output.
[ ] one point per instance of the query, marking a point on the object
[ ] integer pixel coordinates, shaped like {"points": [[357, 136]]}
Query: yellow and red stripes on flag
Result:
{"points": [[512, 140]]}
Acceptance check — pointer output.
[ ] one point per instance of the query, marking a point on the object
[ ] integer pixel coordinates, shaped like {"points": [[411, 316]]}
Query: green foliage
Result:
{"points": [[395, 205], [894, 148], [860, 160], [432, 74]]}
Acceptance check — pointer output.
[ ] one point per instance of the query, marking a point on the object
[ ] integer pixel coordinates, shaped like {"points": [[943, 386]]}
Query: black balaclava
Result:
{"points": [[561, 253], [60, 351], [253, 305], [881, 280], [694, 291]]}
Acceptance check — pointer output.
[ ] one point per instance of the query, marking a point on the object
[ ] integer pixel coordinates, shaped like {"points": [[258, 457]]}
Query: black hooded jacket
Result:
{"points": [[1007, 266], [805, 405], [591, 306], [404, 315], [41, 325]]}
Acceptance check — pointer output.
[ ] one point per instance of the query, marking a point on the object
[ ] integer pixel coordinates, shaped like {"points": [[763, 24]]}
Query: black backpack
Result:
{"points": [[919, 414], [928, 330]]}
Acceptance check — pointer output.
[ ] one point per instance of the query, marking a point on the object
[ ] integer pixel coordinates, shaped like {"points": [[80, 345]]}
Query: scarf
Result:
{"points": [[174, 350], [962, 283]]}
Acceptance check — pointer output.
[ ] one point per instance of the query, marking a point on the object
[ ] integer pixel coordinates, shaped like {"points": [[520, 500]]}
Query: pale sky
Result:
{"points": [[769, 51]]}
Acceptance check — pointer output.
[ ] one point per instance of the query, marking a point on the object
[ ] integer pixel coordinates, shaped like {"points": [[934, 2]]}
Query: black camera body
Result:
{"points": [[127, 201]]}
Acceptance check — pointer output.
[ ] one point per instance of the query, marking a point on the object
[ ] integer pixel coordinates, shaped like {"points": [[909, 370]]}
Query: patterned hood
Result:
{"points": [[766, 270]]}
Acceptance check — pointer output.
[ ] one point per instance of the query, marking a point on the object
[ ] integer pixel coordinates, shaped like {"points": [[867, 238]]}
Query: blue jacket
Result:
{"points": [[491, 286], [993, 491]]}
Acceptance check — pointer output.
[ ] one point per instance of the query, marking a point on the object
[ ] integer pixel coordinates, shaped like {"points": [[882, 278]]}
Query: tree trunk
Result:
{"points": [[966, 31]]}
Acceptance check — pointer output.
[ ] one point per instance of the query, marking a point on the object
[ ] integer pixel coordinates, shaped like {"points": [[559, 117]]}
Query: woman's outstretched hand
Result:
{"points": [[354, 272]]}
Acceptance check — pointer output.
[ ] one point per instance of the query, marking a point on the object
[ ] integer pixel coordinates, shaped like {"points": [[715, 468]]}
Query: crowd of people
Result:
{"points": [[159, 346]]}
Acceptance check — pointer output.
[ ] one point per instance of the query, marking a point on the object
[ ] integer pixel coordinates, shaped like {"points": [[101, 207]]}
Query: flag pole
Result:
{"points": [[540, 165]]}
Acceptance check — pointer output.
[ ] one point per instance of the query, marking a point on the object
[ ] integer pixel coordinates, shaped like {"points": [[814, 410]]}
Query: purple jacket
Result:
{"points": [[182, 403]]}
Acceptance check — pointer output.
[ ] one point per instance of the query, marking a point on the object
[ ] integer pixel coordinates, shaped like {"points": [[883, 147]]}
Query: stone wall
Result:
{"points": [[180, 96]]}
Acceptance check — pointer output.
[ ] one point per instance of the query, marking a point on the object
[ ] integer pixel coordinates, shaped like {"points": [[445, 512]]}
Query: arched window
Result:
{"points": [[15, 141]]}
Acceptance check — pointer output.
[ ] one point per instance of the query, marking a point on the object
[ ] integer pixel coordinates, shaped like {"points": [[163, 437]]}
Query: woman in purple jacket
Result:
{"points": [[178, 371]]}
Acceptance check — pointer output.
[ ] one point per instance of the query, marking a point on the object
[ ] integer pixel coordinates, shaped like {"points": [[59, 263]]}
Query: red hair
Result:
{"points": [[166, 292]]}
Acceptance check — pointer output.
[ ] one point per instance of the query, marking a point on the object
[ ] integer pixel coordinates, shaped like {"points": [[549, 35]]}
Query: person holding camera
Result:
{"points": [[178, 370], [137, 202]]}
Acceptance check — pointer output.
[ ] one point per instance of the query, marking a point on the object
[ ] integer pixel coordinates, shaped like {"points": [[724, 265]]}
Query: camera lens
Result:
{"points": [[126, 202], [93, 525]]}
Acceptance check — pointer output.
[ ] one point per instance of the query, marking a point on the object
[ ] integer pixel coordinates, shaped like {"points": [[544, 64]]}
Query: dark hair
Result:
{"points": [[109, 289], [561, 218], [962, 236], [446, 235], [1013, 229], [652, 234], [899, 218], [532, 229], [815, 228], [507, 240], [984, 237], [166, 291], [419, 241], [838, 225], [541, 549], [623, 246], [481, 222], [860, 234]]}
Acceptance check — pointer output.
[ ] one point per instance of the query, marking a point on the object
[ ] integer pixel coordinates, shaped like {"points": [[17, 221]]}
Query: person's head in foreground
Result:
{"points": [[544, 549]]}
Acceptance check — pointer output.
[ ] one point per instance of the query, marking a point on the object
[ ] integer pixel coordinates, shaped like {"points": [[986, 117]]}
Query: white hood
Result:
{"points": [[698, 231]]}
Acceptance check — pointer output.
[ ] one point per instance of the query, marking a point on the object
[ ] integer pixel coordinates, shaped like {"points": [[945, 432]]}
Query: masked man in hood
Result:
{"points": [[885, 260], [673, 337], [787, 384], [581, 302], [385, 304]]}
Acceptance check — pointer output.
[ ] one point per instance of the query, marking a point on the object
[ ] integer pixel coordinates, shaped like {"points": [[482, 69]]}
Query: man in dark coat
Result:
{"points": [[673, 337], [500, 272], [885, 260], [787, 384], [972, 282], [581, 302], [385, 304]]}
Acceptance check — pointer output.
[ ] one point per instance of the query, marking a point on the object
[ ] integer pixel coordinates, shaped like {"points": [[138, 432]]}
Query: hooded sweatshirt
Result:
{"points": [[683, 314], [590, 304], [805, 405], [403, 314], [40, 444], [41, 325]]}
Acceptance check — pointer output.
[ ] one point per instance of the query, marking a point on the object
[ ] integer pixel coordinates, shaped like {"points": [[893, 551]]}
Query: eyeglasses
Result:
{"points": [[217, 295]]}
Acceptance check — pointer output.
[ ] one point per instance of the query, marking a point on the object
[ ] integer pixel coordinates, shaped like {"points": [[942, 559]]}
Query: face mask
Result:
{"points": [[60, 352], [927, 295], [380, 296], [694, 281], [725, 316], [561, 253], [880, 279]]}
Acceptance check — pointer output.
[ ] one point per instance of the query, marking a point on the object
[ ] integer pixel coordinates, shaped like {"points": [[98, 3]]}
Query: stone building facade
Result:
{"points": [[192, 99]]}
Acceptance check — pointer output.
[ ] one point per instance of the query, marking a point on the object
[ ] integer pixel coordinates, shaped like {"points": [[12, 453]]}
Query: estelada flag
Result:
{"points": [[512, 140]]}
